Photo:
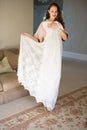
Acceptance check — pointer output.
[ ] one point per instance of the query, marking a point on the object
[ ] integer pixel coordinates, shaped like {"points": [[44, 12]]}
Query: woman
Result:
{"points": [[39, 65]]}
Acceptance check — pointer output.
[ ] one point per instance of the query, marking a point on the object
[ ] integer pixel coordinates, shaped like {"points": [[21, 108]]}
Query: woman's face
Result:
{"points": [[53, 12]]}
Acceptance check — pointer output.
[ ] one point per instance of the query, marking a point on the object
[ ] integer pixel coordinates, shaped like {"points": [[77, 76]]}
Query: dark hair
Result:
{"points": [[59, 17]]}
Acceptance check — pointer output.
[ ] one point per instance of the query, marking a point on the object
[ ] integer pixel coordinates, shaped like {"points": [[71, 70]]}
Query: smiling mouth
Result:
{"points": [[54, 16]]}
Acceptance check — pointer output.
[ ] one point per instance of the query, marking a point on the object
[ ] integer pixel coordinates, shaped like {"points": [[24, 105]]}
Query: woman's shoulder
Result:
{"points": [[43, 23], [59, 24]]}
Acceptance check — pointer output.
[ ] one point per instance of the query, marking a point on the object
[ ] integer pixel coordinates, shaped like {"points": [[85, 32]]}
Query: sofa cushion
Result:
{"points": [[9, 81], [13, 94], [1, 89], [5, 66], [12, 58]]}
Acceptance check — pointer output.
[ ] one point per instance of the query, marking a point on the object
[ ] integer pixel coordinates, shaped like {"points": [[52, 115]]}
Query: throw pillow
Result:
{"points": [[12, 59], [5, 66]]}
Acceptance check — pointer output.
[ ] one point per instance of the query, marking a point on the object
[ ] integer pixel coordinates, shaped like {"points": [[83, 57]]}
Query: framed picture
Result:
{"points": [[47, 2]]}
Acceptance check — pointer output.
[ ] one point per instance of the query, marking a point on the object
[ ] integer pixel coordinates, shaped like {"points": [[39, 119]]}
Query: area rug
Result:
{"points": [[70, 114]]}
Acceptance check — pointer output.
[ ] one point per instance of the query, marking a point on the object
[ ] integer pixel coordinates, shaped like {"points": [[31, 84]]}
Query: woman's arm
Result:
{"points": [[38, 36], [63, 33]]}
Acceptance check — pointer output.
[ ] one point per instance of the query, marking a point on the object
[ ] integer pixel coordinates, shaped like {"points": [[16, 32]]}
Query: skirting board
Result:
{"points": [[74, 55]]}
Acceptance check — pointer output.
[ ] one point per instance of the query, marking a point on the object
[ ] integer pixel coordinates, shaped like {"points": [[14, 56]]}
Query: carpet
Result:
{"points": [[70, 113]]}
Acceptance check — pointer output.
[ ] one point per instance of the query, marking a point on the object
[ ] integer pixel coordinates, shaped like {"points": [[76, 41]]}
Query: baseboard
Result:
{"points": [[74, 55]]}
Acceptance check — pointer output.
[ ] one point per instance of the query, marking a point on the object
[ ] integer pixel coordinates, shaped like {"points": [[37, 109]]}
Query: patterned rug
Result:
{"points": [[70, 114]]}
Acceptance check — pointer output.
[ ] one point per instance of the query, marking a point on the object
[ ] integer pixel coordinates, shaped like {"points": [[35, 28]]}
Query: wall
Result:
{"points": [[16, 16], [75, 17]]}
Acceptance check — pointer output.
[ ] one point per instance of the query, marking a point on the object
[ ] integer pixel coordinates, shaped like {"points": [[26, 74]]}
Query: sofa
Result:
{"points": [[10, 88]]}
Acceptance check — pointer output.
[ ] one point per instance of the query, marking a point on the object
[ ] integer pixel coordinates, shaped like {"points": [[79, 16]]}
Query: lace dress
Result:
{"points": [[39, 65]]}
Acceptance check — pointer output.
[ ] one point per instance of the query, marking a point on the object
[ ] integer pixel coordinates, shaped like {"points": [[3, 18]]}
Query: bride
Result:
{"points": [[39, 63]]}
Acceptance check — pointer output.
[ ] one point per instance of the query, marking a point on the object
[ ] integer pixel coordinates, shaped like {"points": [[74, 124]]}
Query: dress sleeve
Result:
{"points": [[40, 33], [60, 25]]}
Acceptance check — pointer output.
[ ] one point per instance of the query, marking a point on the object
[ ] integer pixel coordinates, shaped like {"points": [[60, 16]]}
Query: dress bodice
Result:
{"points": [[50, 32]]}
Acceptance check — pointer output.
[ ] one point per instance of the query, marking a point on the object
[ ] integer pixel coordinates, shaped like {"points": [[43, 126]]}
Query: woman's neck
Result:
{"points": [[52, 20]]}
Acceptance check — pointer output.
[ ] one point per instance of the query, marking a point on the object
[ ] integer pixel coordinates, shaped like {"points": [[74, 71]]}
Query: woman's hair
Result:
{"points": [[59, 17]]}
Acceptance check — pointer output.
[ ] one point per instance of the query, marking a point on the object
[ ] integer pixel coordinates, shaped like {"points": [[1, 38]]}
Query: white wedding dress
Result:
{"points": [[39, 65]]}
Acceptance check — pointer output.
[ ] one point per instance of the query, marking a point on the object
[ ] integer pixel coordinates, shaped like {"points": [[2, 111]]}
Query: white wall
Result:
{"points": [[16, 16], [75, 17]]}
